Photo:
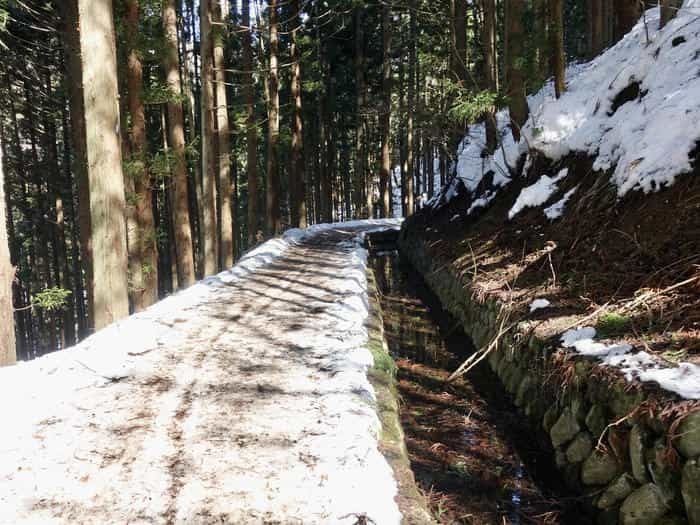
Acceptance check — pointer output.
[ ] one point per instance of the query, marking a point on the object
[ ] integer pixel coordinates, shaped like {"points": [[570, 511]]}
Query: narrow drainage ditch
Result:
{"points": [[474, 457]]}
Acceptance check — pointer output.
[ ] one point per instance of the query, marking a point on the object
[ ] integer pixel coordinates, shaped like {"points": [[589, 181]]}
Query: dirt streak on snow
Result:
{"points": [[243, 399]]}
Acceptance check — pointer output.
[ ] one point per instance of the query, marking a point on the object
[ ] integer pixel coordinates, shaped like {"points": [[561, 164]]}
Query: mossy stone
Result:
{"points": [[645, 506], [599, 469], [623, 402], [690, 488], [617, 491], [638, 436], [580, 448], [526, 385], [596, 420], [664, 475], [565, 428], [688, 442], [550, 417]]}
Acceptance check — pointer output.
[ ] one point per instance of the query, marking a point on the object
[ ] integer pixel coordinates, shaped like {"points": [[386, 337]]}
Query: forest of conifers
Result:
{"points": [[148, 143]]}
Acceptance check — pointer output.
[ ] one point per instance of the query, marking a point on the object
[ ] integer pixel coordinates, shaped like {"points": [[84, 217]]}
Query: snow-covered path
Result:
{"points": [[238, 402]]}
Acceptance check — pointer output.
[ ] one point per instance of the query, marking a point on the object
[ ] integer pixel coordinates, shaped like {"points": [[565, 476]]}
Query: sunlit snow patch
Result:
{"points": [[556, 210], [539, 304], [537, 194], [683, 380]]}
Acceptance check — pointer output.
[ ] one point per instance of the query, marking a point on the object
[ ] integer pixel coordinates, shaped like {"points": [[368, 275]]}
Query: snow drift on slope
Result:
{"points": [[635, 108]]}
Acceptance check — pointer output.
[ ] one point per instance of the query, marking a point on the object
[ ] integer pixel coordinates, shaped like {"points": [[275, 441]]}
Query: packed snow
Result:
{"points": [[539, 304], [556, 210], [537, 194], [244, 398], [683, 379]]}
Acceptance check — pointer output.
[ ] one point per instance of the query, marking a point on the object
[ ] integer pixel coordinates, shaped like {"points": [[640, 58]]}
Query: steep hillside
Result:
{"points": [[596, 209]]}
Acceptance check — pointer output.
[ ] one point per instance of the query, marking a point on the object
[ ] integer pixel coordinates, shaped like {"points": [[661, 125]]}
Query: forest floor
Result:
{"points": [[242, 400]]}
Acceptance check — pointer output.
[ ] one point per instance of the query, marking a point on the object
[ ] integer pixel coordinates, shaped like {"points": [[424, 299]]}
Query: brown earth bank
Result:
{"points": [[631, 268]]}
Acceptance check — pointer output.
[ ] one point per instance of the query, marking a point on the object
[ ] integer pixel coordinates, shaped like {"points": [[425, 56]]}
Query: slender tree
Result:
{"points": [[359, 60], [211, 259], [106, 179], [411, 107], [225, 193], [515, 61], [79, 166], [272, 214], [556, 11], [176, 129], [251, 126], [490, 50], [7, 275], [143, 255], [385, 117], [297, 185], [596, 25], [669, 9]]}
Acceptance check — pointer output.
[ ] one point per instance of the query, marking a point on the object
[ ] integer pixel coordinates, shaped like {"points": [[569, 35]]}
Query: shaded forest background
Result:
{"points": [[255, 117]]}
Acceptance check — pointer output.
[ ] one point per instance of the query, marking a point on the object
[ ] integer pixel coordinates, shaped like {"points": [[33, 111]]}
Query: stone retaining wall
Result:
{"points": [[635, 467]]}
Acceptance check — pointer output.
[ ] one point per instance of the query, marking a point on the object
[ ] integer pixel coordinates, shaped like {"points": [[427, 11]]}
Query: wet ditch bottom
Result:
{"points": [[474, 457]]}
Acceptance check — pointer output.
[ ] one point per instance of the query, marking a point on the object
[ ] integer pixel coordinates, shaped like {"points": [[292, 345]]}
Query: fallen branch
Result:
{"points": [[481, 354]]}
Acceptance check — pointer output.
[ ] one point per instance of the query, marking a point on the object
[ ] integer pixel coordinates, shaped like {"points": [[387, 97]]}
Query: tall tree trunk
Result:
{"points": [[251, 129], [360, 97], [56, 184], [597, 27], [143, 254], [627, 13], [296, 169], [490, 71], [385, 116], [105, 175], [72, 57], [176, 126], [273, 183], [515, 75], [411, 108], [8, 354], [459, 40], [211, 259], [556, 11], [541, 36], [669, 9], [223, 134]]}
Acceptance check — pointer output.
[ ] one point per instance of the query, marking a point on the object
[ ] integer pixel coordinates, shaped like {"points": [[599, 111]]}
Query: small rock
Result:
{"points": [[689, 431], [639, 469], [596, 420], [665, 476], [599, 469], [690, 488], [580, 448], [645, 506], [522, 396], [617, 491], [550, 417], [565, 428]]}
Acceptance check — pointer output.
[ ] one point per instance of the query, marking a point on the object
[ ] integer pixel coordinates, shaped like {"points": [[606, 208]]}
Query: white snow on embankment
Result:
{"points": [[645, 141], [207, 406], [683, 380], [644, 138]]}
